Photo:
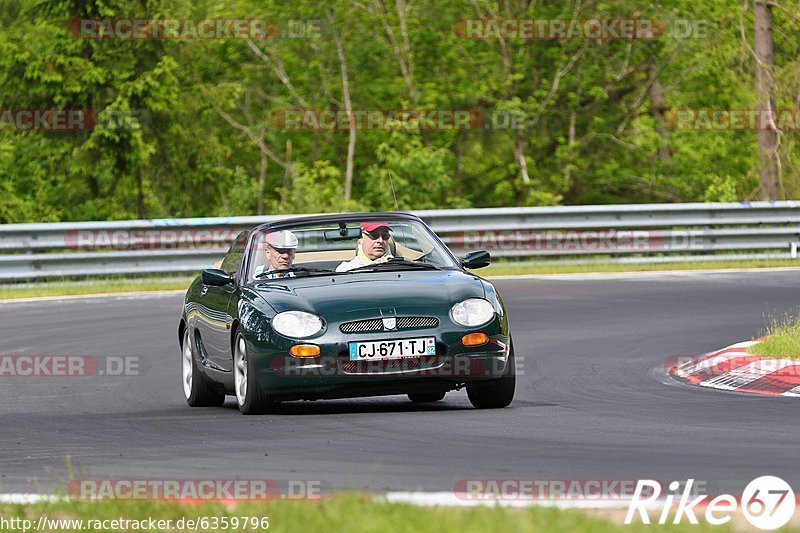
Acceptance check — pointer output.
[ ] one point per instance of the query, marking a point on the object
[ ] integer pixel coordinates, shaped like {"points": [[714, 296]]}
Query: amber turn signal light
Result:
{"points": [[304, 350], [474, 339]]}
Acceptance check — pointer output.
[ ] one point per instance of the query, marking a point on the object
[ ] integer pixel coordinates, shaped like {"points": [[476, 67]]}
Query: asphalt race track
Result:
{"points": [[594, 401]]}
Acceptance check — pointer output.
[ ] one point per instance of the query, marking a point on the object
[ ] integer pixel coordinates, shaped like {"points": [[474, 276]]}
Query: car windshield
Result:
{"points": [[351, 247]]}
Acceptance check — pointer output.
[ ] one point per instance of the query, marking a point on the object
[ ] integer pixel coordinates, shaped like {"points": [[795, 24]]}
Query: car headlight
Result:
{"points": [[472, 312], [296, 324]]}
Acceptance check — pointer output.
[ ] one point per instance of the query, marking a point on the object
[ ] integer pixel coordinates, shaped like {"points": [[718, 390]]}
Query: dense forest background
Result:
{"points": [[188, 127]]}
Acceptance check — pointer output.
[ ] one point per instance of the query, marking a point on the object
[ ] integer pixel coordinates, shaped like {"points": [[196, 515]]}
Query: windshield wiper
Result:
{"points": [[397, 261], [296, 269]]}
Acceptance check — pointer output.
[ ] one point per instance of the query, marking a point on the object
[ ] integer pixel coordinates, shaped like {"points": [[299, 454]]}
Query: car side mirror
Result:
{"points": [[477, 259], [216, 277]]}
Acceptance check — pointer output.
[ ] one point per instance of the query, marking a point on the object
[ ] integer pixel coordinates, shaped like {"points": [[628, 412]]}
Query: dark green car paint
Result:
{"points": [[214, 314]]}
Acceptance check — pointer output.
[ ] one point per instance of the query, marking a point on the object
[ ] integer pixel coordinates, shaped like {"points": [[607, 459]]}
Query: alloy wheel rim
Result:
{"points": [[240, 369], [186, 365]]}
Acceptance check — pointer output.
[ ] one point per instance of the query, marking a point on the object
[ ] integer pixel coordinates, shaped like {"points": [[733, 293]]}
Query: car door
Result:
{"points": [[214, 317]]}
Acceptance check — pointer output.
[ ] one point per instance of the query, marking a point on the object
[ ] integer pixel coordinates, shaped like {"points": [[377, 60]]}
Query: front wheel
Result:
{"points": [[197, 388], [251, 398], [496, 393]]}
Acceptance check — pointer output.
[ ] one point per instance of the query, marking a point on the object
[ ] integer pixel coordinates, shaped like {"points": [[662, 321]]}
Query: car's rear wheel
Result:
{"points": [[197, 388], [426, 397], [495, 393], [250, 396]]}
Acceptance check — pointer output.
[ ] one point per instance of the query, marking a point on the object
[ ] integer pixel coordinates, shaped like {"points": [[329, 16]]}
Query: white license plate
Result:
{"points": [[361, 351]]}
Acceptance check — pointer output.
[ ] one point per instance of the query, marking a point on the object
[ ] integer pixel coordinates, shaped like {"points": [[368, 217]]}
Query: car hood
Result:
{"points": [[346, 297]]}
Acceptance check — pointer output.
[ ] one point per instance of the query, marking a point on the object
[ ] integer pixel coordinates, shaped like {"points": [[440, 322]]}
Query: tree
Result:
{"points": [[769, 167]]}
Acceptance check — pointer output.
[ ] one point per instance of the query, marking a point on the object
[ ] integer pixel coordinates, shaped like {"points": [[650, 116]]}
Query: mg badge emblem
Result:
{"points": [[389, 323]]}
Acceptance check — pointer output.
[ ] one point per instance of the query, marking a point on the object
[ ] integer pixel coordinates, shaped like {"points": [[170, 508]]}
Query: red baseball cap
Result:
{"points": [[372, 226]]}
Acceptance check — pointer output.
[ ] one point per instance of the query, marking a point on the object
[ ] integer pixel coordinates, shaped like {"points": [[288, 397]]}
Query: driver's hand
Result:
{"points": [[381, 259]]}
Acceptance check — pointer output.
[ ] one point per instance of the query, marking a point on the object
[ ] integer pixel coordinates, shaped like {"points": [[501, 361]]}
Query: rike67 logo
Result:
{"points": [[768, 503]]}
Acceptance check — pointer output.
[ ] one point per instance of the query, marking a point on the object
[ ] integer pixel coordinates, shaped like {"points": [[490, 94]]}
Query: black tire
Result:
{"points": [[254, 401], [202, 392], [426, 397], [495, 393]]}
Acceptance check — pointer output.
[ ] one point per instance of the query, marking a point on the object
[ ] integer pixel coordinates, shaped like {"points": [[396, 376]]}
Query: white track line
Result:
{"points": [[135, 294], [18, 499], [426, 499], [449, 499], [595, 276]]}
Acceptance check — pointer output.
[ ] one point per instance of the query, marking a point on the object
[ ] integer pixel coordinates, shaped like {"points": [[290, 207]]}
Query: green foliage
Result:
{"points": [[183, 125], [419, 175], [314, 189]]}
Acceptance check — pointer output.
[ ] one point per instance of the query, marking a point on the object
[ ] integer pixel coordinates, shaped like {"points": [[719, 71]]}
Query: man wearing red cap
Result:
{"points": [[373, 246]]}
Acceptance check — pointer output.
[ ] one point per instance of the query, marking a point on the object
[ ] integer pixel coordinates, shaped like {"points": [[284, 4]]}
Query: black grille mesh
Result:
{"points": [[392, 365], [376, 324], [361, 326]]}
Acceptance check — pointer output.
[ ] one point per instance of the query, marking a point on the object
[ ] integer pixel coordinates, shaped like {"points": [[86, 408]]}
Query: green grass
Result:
{"points": [[349, 513], [62, 288], [783, 338]]}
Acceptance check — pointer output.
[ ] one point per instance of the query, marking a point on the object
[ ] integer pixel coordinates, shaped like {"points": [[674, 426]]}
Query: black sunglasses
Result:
{"points": [[375, 235]]}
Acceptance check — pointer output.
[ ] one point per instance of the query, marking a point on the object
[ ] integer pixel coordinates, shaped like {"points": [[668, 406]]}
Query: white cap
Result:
{"points": [[281, 239]]}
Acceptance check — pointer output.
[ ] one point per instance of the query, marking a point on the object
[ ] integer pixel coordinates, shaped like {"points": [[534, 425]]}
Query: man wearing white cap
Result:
{"points": [[280, 247]]}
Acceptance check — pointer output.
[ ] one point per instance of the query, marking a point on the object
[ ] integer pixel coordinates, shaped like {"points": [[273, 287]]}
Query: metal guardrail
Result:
{"points": [[619, 233]]}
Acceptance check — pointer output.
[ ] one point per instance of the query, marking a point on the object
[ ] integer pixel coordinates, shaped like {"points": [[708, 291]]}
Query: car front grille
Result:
{"points": [[360, 326], [376, 324]]}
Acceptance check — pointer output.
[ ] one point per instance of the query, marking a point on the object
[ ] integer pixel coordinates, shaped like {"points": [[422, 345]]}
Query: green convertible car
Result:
{"points": [[346, 305]]}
